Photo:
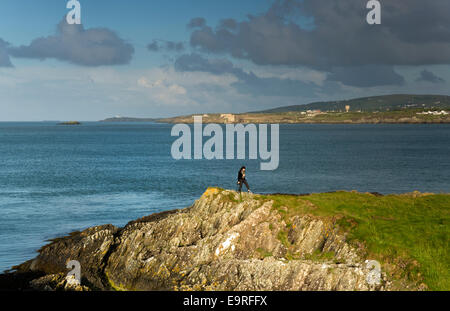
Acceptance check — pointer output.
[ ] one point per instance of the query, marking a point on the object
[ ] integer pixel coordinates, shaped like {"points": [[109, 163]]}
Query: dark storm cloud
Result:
{"points": [[413, 32], [228, 23], [74, 44], [168, 46], [248, 83], [154, 47], [196, 62], [366, 76], [197, 22], [4, 57], [174, 46], [428, 76], [254, 85]]}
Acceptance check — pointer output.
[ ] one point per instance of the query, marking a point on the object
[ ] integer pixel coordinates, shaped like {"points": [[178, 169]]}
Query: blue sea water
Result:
{"points": [[57, 179]]}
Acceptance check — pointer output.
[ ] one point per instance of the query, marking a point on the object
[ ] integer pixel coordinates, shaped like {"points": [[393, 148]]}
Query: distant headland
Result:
{"points": [[128, 119], [393, 109]]}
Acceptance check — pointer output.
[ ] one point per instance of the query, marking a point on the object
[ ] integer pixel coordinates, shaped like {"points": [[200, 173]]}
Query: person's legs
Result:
{"points": [[240, 186], [246, 184]]}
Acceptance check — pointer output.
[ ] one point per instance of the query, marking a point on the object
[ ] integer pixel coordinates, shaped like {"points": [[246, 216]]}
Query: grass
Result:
{"points": [[264, 253], [317, 255], [283, 237], [408, 234]]}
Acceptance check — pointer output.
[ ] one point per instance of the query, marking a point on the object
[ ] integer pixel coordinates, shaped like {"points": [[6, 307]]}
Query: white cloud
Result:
{"points": [[42, 92], [165, 92], [294, 73], [176, 89]]}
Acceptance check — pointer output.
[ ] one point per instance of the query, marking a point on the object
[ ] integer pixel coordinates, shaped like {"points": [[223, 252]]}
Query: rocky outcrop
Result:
{"points": [[89, 247], [224, 241]]}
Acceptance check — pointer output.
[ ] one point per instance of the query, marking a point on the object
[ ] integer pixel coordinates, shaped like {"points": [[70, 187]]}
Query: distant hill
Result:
{"points": [[373, 103], [128, 119]]}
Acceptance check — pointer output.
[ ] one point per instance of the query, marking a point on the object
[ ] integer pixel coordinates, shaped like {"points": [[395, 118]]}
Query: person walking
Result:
{"points": [[242, 180]]}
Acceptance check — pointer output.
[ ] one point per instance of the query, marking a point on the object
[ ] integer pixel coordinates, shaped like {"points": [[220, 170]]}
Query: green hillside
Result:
{"points": [[374, 103]]}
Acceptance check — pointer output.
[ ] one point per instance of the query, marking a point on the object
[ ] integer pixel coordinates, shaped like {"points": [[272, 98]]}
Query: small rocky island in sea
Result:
{"points": [[232, 241], [70, 123]]}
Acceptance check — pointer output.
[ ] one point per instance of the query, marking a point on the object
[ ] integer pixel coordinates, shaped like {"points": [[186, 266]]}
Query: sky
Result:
{"points": [[175, 57]]}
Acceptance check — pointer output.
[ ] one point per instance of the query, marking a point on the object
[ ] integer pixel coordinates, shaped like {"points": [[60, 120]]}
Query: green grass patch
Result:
{"points": [[230, 196], [283, 237], [317, 255], [408, 234], [264, 253]]}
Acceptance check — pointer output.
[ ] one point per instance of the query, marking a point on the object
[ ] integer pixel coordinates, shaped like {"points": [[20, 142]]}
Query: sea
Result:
{"points": [[57, 179]]}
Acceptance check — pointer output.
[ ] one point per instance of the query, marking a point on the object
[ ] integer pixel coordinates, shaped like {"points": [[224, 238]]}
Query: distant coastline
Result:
{"points": [[128, 119], [394, 117], [409, 116], [386, 109]]}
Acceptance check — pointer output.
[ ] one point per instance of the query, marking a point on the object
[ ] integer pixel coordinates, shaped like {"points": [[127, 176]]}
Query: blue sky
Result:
{"points": [[140, 58], [134, 20]]}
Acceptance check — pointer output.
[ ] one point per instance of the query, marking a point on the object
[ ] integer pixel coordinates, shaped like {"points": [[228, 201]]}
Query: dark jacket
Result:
{"points": [[240, 176]]}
